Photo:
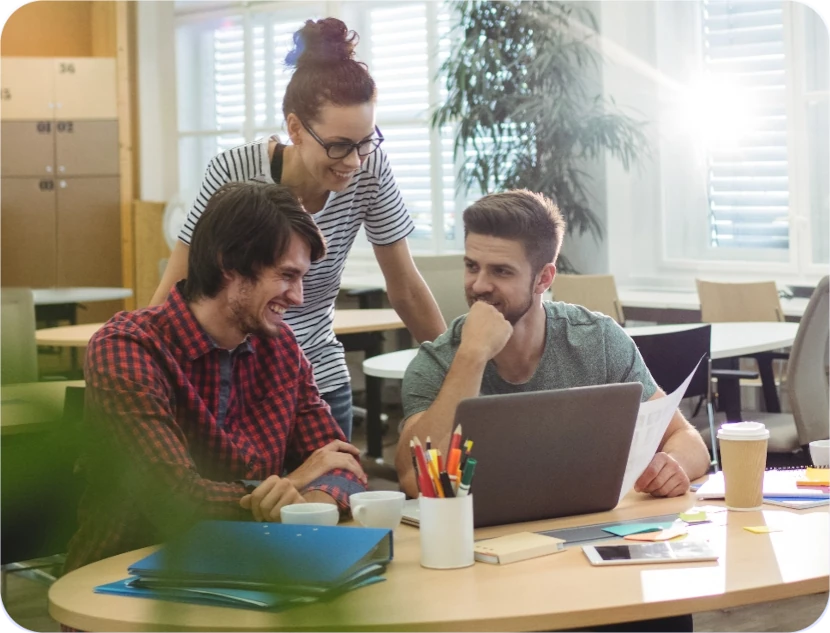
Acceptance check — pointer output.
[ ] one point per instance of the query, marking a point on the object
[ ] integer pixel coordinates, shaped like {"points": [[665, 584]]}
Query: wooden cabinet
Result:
{"points": [[27, 148], [29, 232], [27, 88], [61, 217], [86, 148], [85, 88], [36, 88], [89, 251]]}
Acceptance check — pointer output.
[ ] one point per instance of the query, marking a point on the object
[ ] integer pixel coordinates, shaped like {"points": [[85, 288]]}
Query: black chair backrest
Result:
{"points": [[670, 356]]}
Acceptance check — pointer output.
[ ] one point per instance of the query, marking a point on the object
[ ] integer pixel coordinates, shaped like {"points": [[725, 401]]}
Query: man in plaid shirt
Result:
{"points": [[197, 408]]}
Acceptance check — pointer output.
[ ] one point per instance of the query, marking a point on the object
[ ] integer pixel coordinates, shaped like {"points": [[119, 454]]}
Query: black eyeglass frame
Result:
{"points": [[353, 147]]}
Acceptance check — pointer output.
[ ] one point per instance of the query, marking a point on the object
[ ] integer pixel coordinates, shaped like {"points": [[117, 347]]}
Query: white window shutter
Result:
{"points": [[401, 42], [748, 183]]}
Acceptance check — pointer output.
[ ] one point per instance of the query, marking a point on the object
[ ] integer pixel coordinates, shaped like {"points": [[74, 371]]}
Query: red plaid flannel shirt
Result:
{"points": [[164, 453]]}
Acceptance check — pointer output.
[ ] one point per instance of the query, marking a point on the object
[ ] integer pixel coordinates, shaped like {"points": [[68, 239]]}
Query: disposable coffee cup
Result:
{"points": [[446, 527], [743, 454]]}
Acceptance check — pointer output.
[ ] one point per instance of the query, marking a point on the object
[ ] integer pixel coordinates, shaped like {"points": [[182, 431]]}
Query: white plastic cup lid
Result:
{"points": [[743, 431]]}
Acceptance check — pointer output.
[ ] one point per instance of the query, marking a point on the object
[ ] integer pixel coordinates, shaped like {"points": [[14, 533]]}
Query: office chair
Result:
{"points": [[17, 336], [40, 493], [595, 292], [670, 356], [750, 301], [807, 384]]}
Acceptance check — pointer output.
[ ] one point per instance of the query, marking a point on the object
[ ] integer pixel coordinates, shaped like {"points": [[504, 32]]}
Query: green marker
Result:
{"points": [[467, 477]]}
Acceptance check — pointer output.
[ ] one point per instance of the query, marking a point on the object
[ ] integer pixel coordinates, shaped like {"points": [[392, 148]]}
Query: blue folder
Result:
{"points": [[290, 559], [216, 596]]}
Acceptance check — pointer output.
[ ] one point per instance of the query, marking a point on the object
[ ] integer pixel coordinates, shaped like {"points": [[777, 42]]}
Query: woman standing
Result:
{"points": [[337, 169]]}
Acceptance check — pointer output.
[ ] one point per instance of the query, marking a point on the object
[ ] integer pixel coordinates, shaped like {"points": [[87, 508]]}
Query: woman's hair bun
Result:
{"points": [[327, 41]]}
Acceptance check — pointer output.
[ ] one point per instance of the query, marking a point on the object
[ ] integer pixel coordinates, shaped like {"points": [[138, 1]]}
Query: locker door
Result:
{"points": [[86, 148], [27, 88], [27, 223], [89, 231], [85, 88], [27, 148]]}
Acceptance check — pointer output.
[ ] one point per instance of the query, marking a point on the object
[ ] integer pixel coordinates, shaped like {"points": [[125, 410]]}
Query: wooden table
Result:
{"points": [[561, 591], [60, 304], [29, 407]]}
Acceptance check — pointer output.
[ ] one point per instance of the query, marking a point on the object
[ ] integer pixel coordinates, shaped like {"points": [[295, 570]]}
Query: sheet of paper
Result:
{"points": [[652, 421], [662, 535], [636, 528], [708, 509]]}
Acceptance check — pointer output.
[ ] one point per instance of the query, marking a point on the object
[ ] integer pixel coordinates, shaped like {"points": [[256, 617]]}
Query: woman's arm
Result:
{"points": [[408, 292], [176, 270]]}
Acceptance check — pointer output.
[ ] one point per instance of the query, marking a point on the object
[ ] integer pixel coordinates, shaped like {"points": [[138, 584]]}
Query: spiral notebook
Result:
{"points": [[778, 484]]}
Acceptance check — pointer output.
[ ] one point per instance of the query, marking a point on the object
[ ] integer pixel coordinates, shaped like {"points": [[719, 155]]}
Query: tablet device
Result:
{"points": [[643, 553]]}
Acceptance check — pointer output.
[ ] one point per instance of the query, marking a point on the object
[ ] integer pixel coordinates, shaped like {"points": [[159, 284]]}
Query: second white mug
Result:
{"points": [[377, 508]]}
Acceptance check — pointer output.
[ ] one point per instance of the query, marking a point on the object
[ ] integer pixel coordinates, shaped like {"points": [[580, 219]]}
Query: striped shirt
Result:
{"points": [[371, 199]]}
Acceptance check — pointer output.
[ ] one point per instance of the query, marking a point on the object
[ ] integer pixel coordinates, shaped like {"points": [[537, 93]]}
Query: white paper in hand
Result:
{"points": [[652, 421]]}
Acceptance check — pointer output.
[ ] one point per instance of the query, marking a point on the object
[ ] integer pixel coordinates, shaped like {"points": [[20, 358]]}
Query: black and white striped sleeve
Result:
{"points": [[237, 164], [387, 219]]}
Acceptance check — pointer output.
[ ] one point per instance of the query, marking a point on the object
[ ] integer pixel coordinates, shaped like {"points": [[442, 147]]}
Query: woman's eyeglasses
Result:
{"points": [[341, 149]]}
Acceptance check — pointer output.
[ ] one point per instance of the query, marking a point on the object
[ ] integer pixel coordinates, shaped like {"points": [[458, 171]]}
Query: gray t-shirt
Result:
{"points": [[581, 348]]}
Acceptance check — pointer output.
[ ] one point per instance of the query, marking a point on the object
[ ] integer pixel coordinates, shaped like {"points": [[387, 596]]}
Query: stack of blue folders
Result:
{"points": [[261, 565]]}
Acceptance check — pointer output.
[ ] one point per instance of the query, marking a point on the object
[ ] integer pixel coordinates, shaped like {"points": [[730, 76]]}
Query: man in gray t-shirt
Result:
{"points": [[512, 341]]}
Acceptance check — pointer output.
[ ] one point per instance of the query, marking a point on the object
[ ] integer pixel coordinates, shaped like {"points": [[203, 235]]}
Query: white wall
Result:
{"points": [[158, 135]]}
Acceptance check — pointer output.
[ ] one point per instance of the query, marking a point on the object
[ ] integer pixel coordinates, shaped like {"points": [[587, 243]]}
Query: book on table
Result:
{"points": [[237, 561], [513, 548]]}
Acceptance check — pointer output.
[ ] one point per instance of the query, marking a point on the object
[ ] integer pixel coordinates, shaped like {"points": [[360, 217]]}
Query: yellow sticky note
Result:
{"points": [[694, 517], [763, 529], [818, 474]]}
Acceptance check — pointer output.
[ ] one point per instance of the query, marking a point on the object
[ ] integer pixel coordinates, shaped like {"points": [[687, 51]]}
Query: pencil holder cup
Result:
{"points": [[446, 527]]}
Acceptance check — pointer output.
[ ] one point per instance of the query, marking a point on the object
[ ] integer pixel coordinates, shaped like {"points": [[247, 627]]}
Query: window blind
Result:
{"points": [[748, 186], [404, 47]]}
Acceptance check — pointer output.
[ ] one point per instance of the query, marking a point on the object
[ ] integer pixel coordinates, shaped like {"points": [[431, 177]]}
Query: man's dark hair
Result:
{"points": [[246, 226], [522, 215]]}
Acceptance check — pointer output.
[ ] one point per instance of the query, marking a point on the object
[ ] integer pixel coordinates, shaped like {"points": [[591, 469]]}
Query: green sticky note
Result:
{"points": [[694, 517], [636, 528]]}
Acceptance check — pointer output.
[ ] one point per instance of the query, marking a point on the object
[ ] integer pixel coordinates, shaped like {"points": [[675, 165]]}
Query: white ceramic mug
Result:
{"points": [[310, 514], [378, 508], [820, 453]]}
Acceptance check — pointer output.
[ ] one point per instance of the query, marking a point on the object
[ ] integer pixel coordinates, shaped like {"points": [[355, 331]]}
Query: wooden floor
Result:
{"points": [[25, 600]]}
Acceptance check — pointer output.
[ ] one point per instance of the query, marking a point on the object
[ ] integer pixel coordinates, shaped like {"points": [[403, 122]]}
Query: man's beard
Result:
{"points": [[512, 316], [247, 322]]}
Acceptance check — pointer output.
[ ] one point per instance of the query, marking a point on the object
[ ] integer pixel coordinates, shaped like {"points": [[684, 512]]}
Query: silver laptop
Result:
{"points": [[547, 454]]}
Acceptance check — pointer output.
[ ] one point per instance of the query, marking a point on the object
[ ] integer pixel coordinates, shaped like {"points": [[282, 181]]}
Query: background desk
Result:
{"points": [[61, 304], [346, 322], [666, 306], [561, 591], [728, 340], [358, 330]]}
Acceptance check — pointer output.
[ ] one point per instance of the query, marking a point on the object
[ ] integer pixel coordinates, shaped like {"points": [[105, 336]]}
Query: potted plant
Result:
{"points": [[528, 111]]}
